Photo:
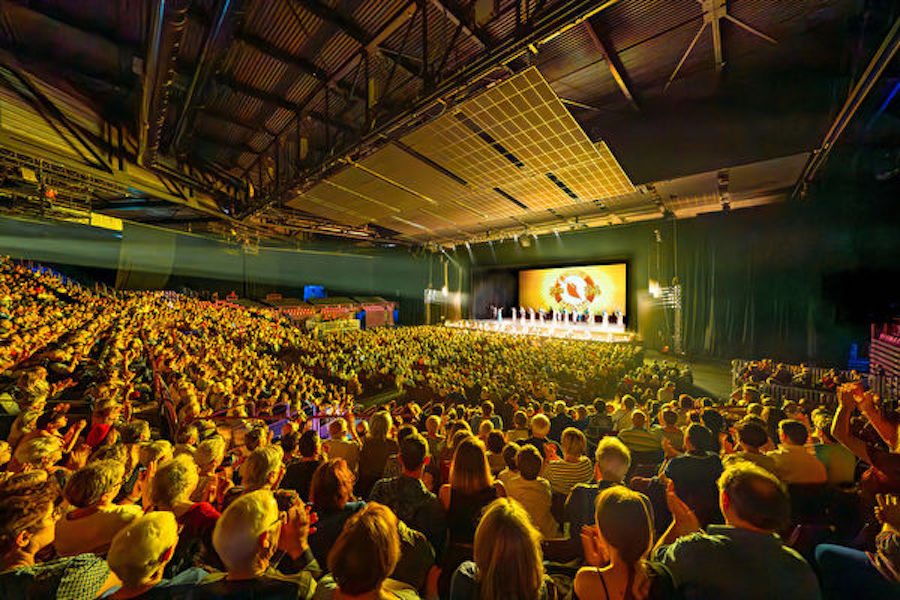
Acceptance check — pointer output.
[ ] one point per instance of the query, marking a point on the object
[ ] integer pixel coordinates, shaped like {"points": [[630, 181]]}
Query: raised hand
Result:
{"points": [[596, 554], [887, 510], [685, 519]]}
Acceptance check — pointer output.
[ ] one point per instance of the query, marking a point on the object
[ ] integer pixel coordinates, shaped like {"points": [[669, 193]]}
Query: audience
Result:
{"points": [[194, 445], [407, 496]]}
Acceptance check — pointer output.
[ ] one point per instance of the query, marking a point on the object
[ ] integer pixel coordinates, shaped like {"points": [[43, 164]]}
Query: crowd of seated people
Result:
{"points": [[768, 371], [223, 453]]}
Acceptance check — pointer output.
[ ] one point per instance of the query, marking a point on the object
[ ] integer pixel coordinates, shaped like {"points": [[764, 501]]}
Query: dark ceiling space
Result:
{"points": [[256, 102]]}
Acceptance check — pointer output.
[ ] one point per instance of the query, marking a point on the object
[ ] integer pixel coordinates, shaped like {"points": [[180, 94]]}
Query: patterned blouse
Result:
{"points": [[69, 578]]}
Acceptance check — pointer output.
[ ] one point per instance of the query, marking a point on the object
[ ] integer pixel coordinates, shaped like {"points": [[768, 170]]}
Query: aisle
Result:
{"points": [[713, 376]]}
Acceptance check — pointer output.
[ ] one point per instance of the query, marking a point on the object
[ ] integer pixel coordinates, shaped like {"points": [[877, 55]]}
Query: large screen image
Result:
{"points": [[593, 288]]}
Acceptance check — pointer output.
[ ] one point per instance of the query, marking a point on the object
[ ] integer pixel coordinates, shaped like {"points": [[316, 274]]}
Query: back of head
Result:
{"points": [[405, 431], [141, 549], [495, 441], [751, 434], [432, 424], [332, 485], [510, 450], [308, 444], [136, 431], [573, 442], [623, 517], [508, 553], [795, 431], [380, 425], [638, 419], [600, 406], [90, 483], [256, 438], [713, 420], [529, 462], [337, 428], [413, 450], [154, 451], [25, 509], [237, 531], [756, 495], [628, 402], [39, 451], [540, 425], [469, 471], [520, 419], [669, 417], [289, 441], [700, 438], [612, 459], [367, 550], [175, 481], [261, 465], [210, 452]]}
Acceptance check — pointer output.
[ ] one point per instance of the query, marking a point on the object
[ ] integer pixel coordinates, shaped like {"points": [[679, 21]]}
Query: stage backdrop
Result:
{"points": [[595, 288]]}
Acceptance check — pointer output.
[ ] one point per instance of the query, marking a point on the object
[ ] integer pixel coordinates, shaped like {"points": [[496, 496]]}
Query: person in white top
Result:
{"points": [[794, 462]]}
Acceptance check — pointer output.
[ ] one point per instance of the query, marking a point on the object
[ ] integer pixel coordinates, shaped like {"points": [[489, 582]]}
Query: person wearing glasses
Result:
{"points": [[251, 537], [28, 516]]}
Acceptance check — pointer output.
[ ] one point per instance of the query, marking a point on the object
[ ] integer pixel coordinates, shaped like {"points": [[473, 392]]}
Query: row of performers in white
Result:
{"points": [[524, 315]]}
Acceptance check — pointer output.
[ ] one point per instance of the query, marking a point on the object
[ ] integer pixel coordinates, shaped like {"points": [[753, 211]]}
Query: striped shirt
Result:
{"points": [[564, 475], [641, 440]]}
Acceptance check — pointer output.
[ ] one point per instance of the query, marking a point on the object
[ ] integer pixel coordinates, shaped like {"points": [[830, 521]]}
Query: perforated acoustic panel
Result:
{"points": [[511, 151]]}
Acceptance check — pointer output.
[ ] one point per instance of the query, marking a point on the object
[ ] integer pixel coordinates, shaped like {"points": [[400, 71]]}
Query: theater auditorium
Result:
{"points": [[450, 299]]}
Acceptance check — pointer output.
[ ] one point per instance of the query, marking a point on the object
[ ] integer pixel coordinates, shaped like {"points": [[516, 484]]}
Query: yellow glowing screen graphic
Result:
{"points": [[595, 288]]}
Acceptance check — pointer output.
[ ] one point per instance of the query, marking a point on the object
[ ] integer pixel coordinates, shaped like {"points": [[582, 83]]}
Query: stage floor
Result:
{"points": [[598, 332]]}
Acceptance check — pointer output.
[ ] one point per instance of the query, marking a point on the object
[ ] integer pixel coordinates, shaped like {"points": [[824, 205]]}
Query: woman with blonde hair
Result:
{"points": [[508, 560], [616, 550]]}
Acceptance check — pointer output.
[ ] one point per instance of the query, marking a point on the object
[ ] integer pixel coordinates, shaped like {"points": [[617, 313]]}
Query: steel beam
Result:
{"points": [[280, 102], [880, 60], [212, 48], [399, 19], [611, 57], [451, 10]]}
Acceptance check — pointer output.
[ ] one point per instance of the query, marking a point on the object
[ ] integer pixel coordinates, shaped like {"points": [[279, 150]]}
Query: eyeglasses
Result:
{"points": [[282, 518]]}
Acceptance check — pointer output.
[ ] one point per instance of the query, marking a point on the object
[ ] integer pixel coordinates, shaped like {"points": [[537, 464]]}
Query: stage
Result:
{"points": [[598, 332]]}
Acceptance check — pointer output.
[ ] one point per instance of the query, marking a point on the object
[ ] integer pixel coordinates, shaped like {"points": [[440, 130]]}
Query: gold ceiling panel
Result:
{"points": [[510, 152]]}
